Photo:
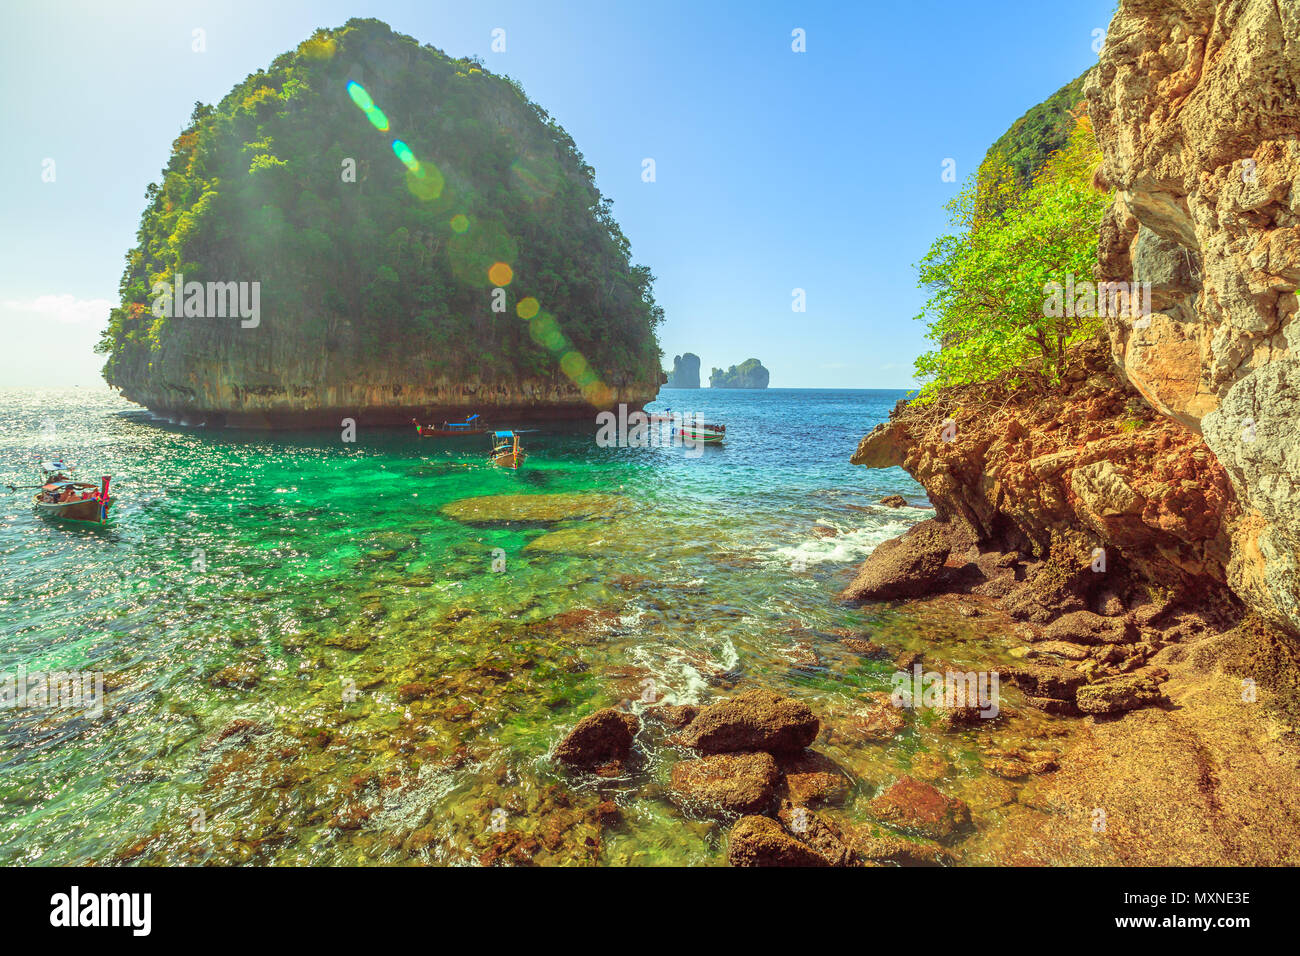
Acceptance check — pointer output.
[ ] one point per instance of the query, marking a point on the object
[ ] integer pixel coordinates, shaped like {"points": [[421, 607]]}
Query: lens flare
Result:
{"points": [[360, 96], [490, 246], [364, 103], [573, 365], [545, 331], [403, 152]]}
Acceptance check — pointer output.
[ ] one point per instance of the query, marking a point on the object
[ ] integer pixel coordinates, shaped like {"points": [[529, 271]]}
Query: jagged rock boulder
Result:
{"points": [[598, 739], [908, 566], [812, 778], [819, 835], [1084, 627], [753, 720], [1047, 680], [761, 841]]}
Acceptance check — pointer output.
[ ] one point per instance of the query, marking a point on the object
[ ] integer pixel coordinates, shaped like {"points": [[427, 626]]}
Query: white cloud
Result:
{"points": [[66, 309]]}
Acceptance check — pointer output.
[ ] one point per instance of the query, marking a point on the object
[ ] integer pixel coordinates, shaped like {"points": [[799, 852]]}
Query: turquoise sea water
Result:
{"points": [[309, 660]]}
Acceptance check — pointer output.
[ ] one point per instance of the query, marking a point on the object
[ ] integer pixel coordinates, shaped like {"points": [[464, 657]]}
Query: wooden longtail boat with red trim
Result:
{"points": [[67, 500], [470, 426]]}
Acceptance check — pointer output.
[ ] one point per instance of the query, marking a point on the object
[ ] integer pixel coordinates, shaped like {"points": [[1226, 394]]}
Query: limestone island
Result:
{"points": [[748, 374]]}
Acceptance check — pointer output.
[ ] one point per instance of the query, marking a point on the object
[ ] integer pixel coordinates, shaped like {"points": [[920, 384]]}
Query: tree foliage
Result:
{"points": [[986, 313], [383, 264]]}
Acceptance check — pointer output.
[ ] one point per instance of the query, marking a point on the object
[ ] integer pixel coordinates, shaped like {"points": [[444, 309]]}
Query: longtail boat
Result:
{"points": [[703, 432], [507, 450], [67, 500], [470, 426]]}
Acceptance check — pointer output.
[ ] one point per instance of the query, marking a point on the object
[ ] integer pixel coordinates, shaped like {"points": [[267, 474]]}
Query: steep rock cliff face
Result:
{"points": [[1058, 476], [1196, 104]]}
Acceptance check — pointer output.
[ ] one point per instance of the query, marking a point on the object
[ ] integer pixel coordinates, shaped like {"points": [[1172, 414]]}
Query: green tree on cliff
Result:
{"points": [[986, 311]]}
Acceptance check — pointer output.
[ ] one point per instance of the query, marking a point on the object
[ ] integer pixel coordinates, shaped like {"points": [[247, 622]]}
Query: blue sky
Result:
{"points": [[775, 170]]}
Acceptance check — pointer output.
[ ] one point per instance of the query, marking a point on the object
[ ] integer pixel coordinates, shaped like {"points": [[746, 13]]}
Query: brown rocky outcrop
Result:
{"points": [[1059, 501], [908, 566], [602, 738], [761, 841], [753, 720], [1196, 105]]}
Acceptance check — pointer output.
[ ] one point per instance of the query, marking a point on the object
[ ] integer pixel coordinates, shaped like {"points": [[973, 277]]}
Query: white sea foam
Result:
{"points": [[847, 545], [679, 679]]}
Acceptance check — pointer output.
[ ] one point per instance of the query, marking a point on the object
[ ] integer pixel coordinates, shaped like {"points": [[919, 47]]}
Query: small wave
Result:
{"points": [[846, 545], [682, 677]]}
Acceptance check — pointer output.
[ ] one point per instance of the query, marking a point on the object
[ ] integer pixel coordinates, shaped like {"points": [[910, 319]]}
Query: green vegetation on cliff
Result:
{"points": [[369, 184], [1024, 149], [989, 312], [748, 374]]}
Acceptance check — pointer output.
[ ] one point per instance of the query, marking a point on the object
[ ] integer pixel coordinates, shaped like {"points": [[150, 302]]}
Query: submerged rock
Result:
{"points": [[759, 841], [892, 848], [674, 715], [812, 778], [880, 721], [754, 720], [489, 509], [912, 805], [601, 738], [726, 783], [860, 646]]}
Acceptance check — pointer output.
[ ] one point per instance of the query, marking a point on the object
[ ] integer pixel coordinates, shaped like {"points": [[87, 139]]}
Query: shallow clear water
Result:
{"points": [[303, 585]]}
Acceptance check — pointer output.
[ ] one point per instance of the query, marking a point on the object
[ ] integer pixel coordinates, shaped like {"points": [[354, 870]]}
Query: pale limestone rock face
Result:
{"points": [[1255, 433], [1196, 104]]}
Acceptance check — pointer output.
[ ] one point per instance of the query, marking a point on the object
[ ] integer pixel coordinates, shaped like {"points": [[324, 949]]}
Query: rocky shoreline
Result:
{"points": [[1098, 532], [752, 764]]}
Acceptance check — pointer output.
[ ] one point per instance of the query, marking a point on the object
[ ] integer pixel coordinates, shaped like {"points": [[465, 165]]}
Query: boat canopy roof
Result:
{"points": [[55, 465], [504, 434], [470, 419]]}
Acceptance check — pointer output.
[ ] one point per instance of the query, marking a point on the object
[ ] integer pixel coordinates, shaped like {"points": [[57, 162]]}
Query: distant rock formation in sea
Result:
{"points": [[686, 371], [748, 374]]}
